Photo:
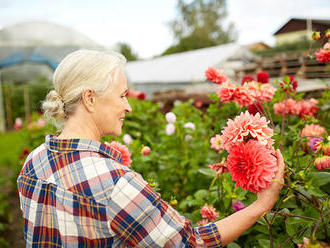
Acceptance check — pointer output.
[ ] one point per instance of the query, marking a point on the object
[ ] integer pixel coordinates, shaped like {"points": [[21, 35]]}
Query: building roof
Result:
{"points": [[297, 24], [187, 66]]}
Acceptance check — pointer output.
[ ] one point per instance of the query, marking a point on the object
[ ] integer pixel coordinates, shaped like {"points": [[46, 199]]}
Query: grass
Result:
{"points": [[10, 146]]}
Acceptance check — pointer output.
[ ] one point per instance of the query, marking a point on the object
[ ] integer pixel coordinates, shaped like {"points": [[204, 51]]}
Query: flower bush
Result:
{"points": [[191, 158]]}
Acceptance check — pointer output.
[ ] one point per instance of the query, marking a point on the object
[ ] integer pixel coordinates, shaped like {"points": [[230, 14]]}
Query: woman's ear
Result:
{"points": [[88, 99]]}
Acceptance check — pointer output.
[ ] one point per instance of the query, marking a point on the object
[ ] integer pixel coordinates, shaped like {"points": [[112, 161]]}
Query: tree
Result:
{"points": [[200, 25], [126, 50]]}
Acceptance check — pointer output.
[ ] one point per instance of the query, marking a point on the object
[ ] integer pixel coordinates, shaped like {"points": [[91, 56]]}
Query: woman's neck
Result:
{"points": [[79, 127]]}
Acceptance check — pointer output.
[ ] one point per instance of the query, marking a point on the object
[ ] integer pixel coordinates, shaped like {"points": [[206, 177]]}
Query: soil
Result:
{"points": [[14, 235]]}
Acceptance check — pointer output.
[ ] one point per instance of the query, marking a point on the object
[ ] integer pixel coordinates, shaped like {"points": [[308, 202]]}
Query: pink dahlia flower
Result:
{"points": [[216, 142], [227, 91], [308, 107], [215, 76], [267, 92], [323, 55], [125, 154], [252, 166], [253, 88], [209, 212], [247, 126], [322, 163], [293, 107], [243, 97], [219, 168], [313, 130]]}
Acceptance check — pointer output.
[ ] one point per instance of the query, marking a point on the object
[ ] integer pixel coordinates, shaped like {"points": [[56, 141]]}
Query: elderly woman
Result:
{"points": [[74, 190]]}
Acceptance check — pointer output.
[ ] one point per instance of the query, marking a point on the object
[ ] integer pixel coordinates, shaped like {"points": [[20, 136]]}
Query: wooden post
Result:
{"points": [[26, 101], [2, 111], [8, 108]]}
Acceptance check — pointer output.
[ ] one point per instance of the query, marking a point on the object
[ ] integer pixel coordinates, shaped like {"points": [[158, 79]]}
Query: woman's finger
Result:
{"points": [[280, 163]]}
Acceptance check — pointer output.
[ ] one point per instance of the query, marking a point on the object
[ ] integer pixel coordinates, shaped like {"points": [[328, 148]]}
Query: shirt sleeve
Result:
{"points": [[142, 219]]}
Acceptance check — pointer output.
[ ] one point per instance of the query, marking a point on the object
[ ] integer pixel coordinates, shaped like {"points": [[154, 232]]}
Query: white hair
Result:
{"points": [[80, 70]]}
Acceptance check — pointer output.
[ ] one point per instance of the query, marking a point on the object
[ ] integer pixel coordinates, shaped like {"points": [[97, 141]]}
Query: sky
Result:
{"points": [[143, 24]]}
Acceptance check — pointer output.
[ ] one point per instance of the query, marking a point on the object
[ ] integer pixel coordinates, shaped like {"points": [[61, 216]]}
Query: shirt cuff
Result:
{"points": [[210, 235]]}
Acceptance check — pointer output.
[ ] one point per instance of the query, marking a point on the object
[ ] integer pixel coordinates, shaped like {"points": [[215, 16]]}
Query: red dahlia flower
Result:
{"points": [[262, 77], [247, 78], [252, 166]]}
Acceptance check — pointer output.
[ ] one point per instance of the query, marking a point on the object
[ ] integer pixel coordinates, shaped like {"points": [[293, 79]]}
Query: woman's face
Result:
{"points": [[112, 107]]}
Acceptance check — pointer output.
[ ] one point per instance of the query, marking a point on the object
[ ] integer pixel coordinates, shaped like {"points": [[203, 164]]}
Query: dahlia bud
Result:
{"points": [[198, 103], [327, 33], [316, 35], [152, 184], [145, 150], [322, 163], [173, 202], [326, 149]]}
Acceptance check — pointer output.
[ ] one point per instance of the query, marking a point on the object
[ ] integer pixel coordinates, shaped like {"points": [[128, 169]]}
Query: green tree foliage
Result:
{"points": [[200, 25], [127, 51]]}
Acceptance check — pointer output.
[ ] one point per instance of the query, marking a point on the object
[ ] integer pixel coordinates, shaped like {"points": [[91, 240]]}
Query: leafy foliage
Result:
{"points": [[200, 25]]}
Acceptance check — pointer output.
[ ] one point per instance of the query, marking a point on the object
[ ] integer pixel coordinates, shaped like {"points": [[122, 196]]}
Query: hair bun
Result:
{"points": [[53, 106]]}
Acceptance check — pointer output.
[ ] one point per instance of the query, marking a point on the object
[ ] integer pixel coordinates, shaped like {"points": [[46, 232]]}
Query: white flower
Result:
{"points": [[170, 117], [190, 125], [127, 139], [170, 129], [19, 121], [188, 138]]}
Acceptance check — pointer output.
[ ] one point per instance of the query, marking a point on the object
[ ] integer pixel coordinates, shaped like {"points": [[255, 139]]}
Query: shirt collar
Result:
{"points": [[70, 145]]}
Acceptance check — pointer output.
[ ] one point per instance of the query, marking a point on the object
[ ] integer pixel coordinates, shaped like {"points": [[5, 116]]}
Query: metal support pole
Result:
{"points": [[2, 111]]}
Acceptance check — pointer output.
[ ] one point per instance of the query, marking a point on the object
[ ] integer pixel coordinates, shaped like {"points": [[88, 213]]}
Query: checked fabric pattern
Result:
{"points": [[76, 193]]}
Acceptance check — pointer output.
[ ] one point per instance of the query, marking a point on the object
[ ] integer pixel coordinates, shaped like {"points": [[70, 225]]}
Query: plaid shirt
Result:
{"points": [[76, 193]]}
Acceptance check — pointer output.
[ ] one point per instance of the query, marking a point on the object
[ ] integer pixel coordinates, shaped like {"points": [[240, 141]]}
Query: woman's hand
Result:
{"points": [[267, 198]]}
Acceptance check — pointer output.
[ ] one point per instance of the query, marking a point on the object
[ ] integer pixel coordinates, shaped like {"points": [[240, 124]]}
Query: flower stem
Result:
{"points": [[269, 225], [318, 224], [293, 215], [269, 115], [289, 238], [283, 122]]}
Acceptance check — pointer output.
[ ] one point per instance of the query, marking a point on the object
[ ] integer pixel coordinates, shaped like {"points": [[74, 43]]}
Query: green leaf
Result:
{"points": [[207, 172], [264, 243], [201, 194], [320, 178], [233, 245]]}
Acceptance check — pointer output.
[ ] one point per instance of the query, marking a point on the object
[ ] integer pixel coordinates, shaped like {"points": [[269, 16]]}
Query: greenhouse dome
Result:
{"points": [[31, 49]]}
